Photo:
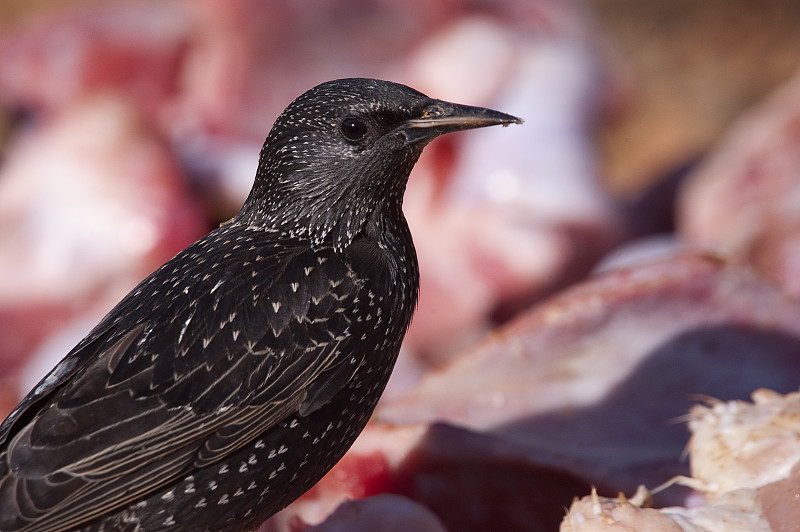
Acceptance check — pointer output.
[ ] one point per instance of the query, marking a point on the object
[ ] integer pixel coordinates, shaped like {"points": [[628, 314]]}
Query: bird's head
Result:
{"points": [[340, 155]]}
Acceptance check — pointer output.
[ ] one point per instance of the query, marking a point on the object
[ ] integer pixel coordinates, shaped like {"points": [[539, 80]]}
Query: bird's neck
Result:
{"points": [[334, 219]]}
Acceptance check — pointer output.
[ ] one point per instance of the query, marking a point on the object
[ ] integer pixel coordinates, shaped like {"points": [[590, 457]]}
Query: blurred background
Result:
{"points": [[128, 129]]}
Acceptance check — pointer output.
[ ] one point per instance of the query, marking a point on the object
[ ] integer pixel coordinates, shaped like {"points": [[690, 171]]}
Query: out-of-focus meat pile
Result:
{"points": [[525, 379], [744, 201], [600, 376], [91, 201]]}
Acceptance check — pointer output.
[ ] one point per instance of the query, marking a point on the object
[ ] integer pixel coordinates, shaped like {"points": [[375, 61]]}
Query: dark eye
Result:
{"points": [[353, 128]]}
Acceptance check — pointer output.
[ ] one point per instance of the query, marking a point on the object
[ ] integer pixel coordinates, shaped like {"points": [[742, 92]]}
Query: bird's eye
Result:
{"points": [[353, 128]]}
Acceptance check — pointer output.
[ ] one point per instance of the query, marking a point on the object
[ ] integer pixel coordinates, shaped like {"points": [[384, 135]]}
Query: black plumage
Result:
{"points": [[236, 375]]}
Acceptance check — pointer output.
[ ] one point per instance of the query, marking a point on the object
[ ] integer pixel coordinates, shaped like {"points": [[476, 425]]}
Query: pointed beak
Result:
{"points": [[441, 117]]}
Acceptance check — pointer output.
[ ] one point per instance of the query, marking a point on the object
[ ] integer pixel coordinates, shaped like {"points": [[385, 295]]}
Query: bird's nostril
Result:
{"points": [[433, 111]]}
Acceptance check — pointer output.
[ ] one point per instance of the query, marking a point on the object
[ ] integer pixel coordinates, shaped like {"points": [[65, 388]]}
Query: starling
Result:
{"points": [[235, 376]]}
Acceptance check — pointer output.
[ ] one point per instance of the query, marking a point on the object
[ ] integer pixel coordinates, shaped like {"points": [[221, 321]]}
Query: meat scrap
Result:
{"points": [[744, 460]]}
